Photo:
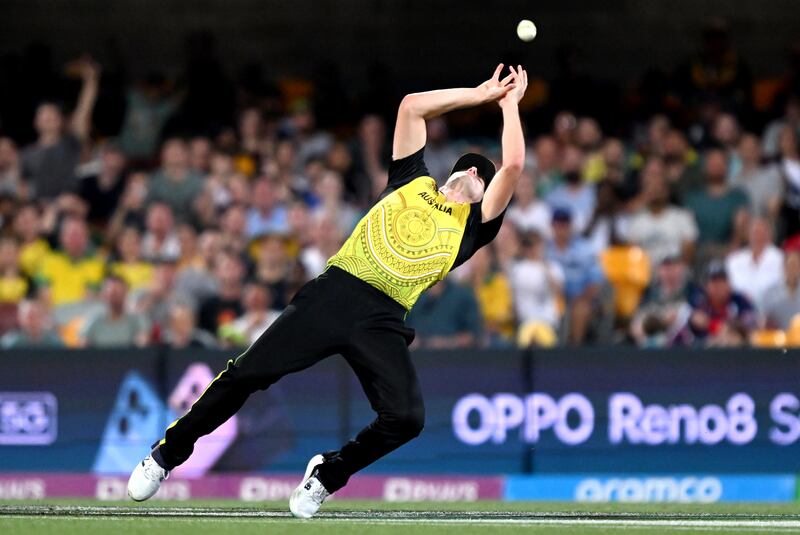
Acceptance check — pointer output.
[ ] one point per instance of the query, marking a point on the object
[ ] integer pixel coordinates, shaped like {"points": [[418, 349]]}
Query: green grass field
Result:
{"points": [[86, 517]]}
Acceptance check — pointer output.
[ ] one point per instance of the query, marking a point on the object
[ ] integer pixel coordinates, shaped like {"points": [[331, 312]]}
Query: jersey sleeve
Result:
{"points": [[404, 170], [477, 233]]}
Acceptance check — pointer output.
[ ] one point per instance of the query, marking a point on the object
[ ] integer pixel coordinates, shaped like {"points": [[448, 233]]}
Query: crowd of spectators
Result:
{"points": [[680, 228]]}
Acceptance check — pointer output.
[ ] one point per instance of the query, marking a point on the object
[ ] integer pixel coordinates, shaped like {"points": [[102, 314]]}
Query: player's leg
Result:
{"points": [[383, 365], [381, 361], [297, 340]]}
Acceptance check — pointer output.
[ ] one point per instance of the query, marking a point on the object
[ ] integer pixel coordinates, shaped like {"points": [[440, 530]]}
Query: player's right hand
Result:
{"points": [[519, 83], [494, 88]]}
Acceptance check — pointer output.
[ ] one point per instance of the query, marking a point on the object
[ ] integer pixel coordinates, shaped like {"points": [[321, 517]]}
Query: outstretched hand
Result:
{"points": [[518, 85], [494, 88]]}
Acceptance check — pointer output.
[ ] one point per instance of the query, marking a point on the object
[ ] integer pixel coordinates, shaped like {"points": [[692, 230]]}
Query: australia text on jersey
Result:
{"points": [[432, 201]]}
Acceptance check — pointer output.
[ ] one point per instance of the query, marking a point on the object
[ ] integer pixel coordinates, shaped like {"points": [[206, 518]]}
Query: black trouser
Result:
{"points": [[334, 313]]}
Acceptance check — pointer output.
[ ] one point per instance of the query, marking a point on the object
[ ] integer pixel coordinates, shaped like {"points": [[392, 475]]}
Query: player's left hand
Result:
{"points": [[494, 88], [519, 83]]}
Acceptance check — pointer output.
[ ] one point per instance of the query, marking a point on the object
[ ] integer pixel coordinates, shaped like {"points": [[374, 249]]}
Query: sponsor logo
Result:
{"points": [[478, 419], [28, 418], [257, 489], [650, 489], [22, 489], [629, 420], [115, 489], [401, 489]]}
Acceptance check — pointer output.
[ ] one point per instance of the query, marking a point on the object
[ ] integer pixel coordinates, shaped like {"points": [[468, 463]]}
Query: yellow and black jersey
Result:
{"points": [[412, 237]]}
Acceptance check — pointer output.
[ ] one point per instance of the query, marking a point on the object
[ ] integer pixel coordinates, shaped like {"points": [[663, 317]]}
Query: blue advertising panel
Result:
{"points": [[58, 407], [640, 488], [487, 412], [664, 411], [445, 377]]}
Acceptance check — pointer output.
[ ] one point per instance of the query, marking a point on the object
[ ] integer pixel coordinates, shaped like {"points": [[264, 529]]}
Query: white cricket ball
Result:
{"points": [[526, 30]]}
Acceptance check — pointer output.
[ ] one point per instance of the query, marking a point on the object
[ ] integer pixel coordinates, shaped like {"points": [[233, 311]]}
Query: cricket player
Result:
{"points": [[409, 240]]}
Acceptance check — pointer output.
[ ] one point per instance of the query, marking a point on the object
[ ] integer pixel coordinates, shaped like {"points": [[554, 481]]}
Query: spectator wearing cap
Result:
{"points": [[781, 302], [720, 212], [714, 307], [664, 307], [574, 195], [755, 268], [114, 327], [583, 277], [175, 184], [527, 212], [103, 191]]}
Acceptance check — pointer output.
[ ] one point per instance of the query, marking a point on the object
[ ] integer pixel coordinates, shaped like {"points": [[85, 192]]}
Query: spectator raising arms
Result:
{"points": [[48, 166]]}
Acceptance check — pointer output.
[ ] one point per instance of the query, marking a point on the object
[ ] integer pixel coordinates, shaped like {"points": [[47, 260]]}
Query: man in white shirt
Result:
{"points": [[527, 212], [757, 267], [661, 228], [537, 284]]}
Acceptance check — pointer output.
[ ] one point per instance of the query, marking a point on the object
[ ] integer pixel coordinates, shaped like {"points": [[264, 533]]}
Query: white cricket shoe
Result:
{"points": [[307, 498], [145, 479]]}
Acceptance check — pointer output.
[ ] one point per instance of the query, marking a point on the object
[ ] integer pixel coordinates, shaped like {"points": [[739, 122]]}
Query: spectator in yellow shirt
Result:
{"points": [[130, 267], [494, 295], [33, 248], [74, 272], [13, 286]]}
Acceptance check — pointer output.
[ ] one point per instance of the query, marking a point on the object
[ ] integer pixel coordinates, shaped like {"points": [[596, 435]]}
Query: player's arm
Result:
{"points": [[409, 131], [498, 193]]}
